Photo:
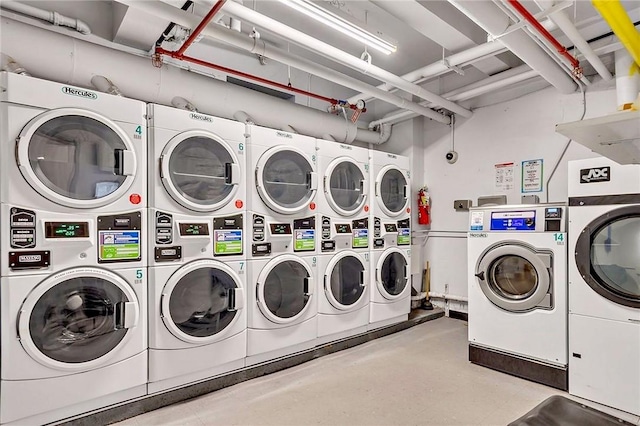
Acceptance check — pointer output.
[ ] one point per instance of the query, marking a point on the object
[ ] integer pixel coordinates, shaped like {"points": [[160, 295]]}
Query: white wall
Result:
{"points": [[406, 139], [513, 131]]}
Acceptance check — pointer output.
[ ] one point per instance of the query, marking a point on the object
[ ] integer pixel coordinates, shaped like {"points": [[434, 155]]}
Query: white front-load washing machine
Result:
{"points": [[72, 315], [604, 283], [197, 320], [70, 150], [282, 306], [518, 291], [282, 261], [390, 240], [282, 184], [343, 265]]}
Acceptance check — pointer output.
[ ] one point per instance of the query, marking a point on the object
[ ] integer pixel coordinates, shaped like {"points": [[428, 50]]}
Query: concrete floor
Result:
{"points": [[419, 376]]}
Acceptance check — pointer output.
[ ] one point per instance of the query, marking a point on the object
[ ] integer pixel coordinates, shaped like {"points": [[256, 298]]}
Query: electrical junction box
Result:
{"points": [[462, 205]]}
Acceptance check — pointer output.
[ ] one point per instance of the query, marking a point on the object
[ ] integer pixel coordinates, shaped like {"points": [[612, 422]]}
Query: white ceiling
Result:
{"points": [[423, 30]]}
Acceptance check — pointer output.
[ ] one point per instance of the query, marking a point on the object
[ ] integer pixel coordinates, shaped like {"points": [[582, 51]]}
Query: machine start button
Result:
{"points": [[135, 198]]}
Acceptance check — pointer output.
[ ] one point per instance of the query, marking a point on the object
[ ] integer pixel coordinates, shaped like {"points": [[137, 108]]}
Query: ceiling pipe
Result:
{"points": [[493, 21], [179, 55], [489, 84], [328, 51], [564, 23], [259, 46], [52, 17], [72, 60], [547, 35], [463, 58]]}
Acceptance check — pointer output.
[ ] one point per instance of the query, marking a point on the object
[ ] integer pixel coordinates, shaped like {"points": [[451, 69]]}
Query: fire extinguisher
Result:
{"points": [[424, 209]]}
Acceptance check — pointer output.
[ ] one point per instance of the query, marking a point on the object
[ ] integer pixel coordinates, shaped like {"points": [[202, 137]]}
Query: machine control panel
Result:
{"points": [[327, 244], [404, 232], [195, 229], [164, 228], [66, 229], [360, 233], [518, 218], [513, 220], [22, 228], [119, 237], [304, 238], [553, 219], [258, 228], [227, 235]]}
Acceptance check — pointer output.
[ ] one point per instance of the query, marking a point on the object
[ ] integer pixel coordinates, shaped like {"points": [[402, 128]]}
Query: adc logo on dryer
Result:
{"points": [[596, 174]]}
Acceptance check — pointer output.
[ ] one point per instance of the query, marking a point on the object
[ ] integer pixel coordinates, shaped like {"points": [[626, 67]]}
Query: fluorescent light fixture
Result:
{"points": [[339, 24]]}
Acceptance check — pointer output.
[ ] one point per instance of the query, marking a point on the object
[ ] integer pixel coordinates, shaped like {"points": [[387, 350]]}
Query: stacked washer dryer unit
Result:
{"points": [[604, 283], [73, 308], [518, 291], [197, 320], [282, 260], [343, 266], [390, 222]]}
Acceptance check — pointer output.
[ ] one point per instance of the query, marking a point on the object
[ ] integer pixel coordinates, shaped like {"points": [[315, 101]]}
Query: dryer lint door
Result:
{"points": [[392, 274], [286, 179], [345, 282], [516, 277], [285, 289], [76, 158], [607, 255], [78, 320], [345, 186], [200, 171], [392, 190], [201, 301]]}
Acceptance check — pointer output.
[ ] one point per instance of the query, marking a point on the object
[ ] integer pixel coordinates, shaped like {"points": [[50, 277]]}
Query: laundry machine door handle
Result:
{"points": [[362, 283], [126, 315], [363, 187], [236, 299], [232, 174], [480, 275], [313, 180], [308, 286], [125, 162]]}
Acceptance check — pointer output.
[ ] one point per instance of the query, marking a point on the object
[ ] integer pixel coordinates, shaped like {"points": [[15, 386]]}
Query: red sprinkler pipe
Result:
{"points": [[205, 21], [196, 61], [546, 34], [179, 54]]}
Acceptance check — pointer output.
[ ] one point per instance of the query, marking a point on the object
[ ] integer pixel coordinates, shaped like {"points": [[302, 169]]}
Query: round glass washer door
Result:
{"points": [[201, 301], [286, 180], [76, 158], [200, 171], [285, 289], [392, 191], [345, 186], [392, 273], [345, 281], [608, 256], [515, 277], [78, 319]]}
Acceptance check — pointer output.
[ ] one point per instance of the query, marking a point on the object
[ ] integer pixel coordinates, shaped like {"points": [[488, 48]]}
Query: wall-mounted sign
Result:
{"points": [[532, 176], [504, 177]]}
